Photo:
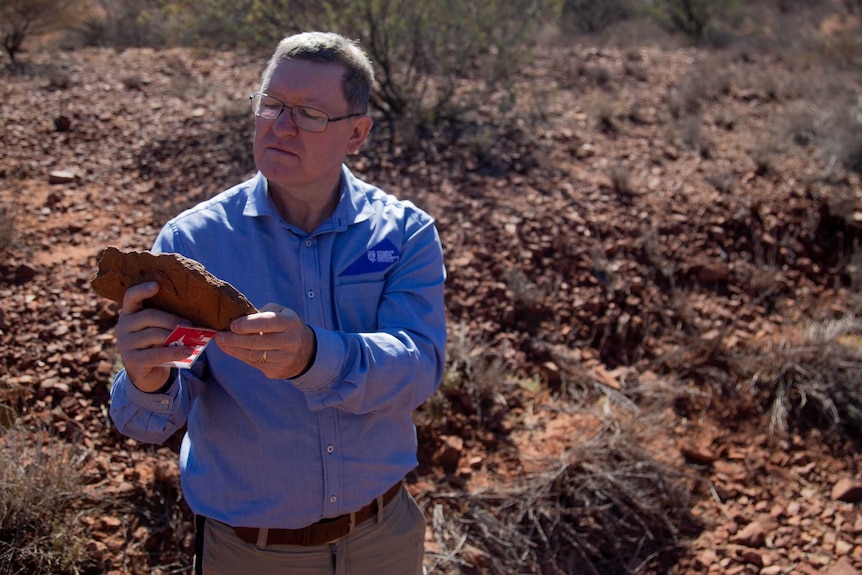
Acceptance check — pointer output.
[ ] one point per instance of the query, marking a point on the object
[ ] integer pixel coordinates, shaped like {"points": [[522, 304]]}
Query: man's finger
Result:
{"points": [[261, 322], [133, 300], [273, 307]]}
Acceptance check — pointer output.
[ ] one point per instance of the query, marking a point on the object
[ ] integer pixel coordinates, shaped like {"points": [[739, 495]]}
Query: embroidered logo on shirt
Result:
{"points": [[376, 259]]}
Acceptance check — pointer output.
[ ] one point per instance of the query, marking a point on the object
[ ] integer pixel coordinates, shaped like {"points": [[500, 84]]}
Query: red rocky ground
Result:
{"points": [[634, 210]]}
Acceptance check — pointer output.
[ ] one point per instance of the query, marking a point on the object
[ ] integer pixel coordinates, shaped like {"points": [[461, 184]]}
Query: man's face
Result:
{"points": [[299, 161]]}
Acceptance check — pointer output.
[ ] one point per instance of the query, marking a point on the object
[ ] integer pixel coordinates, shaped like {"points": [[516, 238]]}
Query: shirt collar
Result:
{"points": [[353, 205], [257, 201]]}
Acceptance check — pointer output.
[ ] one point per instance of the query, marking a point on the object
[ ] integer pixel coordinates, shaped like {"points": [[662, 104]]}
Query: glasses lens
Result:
{"points": [[310, 119], [269, 108], [265, 106]]}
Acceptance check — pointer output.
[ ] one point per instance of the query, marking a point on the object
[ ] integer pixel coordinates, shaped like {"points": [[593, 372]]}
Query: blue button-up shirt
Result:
{"points": [[285, 453]]}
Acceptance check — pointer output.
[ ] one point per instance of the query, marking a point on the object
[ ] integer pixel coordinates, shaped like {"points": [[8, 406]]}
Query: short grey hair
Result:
{"points": [[328, 48]]}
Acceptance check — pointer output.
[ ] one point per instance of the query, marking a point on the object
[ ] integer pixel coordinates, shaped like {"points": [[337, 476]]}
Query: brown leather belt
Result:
{"points": [[324, 531]]}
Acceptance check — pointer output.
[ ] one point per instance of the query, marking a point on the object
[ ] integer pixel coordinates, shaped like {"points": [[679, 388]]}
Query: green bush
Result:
{"points": [[23, 19], [593, 15], [129, 23], [248, 24], [422, 51], [696, 19]]}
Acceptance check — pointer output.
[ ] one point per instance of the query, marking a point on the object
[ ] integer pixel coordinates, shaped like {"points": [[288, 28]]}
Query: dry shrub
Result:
{"points": [[724, 180], [685, 99], [606, 111], [705, 363], [40, 481], [851, 264], [692, 136], [803, 125], [809, 378], [607, 508], [133, 82], [837, 129], [840, 203], [474, 382], [848, 141], [705, 84], [8, 212], [621, 182], [843, 48]]}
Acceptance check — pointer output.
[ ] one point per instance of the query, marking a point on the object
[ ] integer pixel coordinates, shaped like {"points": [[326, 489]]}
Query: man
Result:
{"points": [[300, 426]]}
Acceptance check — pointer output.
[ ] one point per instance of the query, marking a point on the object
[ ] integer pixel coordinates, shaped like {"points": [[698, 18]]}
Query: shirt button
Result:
{"points": [[165, 402], [333, 499], [308, 243], [329, 449], [310, 294]]}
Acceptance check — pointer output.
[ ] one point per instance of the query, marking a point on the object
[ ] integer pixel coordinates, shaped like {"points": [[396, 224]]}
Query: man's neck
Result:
{"points": [[305, 209]]}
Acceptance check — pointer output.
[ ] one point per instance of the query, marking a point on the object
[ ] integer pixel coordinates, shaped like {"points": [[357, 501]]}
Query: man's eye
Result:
{"points": [[311, 114]]}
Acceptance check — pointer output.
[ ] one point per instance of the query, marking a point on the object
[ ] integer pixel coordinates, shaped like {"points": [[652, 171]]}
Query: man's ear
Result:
{"points": [[361, 129]]}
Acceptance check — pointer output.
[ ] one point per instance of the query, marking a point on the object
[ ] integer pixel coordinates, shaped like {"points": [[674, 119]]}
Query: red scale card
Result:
{"points": [[195, 337]]}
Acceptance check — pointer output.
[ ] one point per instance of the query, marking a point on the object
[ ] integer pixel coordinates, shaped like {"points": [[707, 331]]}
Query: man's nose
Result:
{"points": [[285, 121]]}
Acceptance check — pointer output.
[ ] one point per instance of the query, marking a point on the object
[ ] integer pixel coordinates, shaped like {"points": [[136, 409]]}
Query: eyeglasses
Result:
{"points": [[305, 118]]}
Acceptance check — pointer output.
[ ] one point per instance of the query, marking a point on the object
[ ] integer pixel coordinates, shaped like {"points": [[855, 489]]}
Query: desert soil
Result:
{"points": [[619, 214]]}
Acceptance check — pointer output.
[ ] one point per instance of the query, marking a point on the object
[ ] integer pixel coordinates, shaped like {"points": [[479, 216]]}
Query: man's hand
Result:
{"points": [[275, 341], [140, 333]]}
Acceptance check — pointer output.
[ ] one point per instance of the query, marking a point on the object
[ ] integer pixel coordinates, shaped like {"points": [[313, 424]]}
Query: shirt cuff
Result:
{"points": [[154, 402], [331, 351]]}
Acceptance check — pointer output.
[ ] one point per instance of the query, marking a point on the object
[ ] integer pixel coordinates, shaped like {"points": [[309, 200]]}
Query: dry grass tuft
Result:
{"points": [[810, 378], [608, 508], [40, 481]]}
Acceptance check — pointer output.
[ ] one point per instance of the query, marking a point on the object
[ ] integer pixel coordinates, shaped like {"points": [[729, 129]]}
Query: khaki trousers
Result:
{"points": [[393, 545]]}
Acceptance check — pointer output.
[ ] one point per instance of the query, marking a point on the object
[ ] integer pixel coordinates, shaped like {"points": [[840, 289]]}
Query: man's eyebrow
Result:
{"points": [[307, 100]]}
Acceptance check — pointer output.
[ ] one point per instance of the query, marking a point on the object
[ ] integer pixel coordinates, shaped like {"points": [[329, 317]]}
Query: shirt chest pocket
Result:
{"points": [[356, 304]]}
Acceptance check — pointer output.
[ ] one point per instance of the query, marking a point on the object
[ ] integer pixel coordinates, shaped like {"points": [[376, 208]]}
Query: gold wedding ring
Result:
{"points": [[262, 358]]}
